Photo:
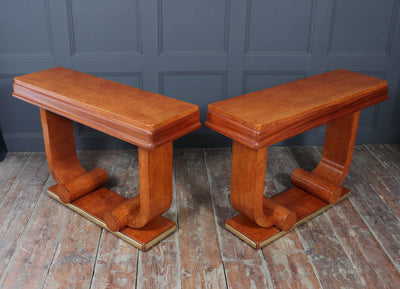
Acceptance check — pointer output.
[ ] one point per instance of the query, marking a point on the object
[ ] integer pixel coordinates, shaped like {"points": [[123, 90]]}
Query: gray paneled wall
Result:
{"points": [[200, 52]]}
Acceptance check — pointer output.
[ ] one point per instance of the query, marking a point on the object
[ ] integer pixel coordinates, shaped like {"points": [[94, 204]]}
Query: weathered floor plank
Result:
{"points": [[362, 249], [116, 262], [17, 206], [124, 178], [380, 220], [356, 244], [73, 261], [354, 236], [9, 170], [388, 156], [35, 250], [289, 267], [159, 267], [115, 265], [244, 267], [219, 168], [381, 174], [288, 264], [79, 239], [325, 252], [201, 262], [247, 274]]}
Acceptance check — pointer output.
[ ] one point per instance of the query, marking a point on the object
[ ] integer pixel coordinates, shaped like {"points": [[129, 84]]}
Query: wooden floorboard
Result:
{"points": [[355, 244], [9, 171], [108, 273], [160, 266], [292, 269], [201, 261], [17, 206], [350, 229], [236, 255]]}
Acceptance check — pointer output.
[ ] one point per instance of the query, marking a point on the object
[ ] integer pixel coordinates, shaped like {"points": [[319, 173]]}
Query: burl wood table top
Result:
{"points": [[141, 108], [274, 114], [141, 117]]}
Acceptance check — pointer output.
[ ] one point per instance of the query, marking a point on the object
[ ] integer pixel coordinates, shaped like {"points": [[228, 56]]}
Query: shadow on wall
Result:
{"points": [[3, 148]]}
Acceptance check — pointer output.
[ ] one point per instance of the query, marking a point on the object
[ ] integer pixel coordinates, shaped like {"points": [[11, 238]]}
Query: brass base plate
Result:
{"points": [[303, 204], [94, 205]]}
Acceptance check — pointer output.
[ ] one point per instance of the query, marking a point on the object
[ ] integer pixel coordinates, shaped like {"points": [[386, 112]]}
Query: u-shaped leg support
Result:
{"points": [[155, 174], [247, 189], [262, 220], [325, 180], [137, 220], [74, 182]]}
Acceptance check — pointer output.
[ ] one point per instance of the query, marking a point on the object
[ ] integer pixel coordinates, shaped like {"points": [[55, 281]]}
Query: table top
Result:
{"points": [[303, 104], [133, 105], [141, 117], [263, 108]]}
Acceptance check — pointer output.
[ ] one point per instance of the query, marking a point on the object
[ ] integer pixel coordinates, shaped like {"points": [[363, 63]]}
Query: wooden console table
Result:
{"points": [[145, 119], [259, 119]]}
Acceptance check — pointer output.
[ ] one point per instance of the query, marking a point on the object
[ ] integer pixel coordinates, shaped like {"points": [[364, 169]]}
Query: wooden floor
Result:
{"points": [[356, 244]]}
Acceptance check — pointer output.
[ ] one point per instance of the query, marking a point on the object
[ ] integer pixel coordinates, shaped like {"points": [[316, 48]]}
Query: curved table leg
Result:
{"points": [[325, 180], [262, 220], [59, 142], [155, 198], [74, 181], [259, 216], [247, 189], [338, 148], [140, 221]]}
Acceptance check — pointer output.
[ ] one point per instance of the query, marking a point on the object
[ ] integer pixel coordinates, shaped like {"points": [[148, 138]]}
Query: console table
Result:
{"points": [[148, 120], [259, 119]]}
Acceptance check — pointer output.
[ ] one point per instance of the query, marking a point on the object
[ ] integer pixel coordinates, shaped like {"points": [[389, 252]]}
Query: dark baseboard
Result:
{"points": [[202, 138]]}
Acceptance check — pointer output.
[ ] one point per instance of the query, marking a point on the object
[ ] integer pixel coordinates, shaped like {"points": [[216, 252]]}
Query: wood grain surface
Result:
{"points": [[291, 269], [256, 120], [237, 256], [201, 262], [361, 252], [143, 118], [78, 262], [116, 261], [265, 108], [9, 170], [137, 107], [360, 243], [18, 203], [261, 118]]}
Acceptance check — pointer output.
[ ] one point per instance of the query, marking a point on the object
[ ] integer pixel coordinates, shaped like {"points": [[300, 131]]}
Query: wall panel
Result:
{"points": [[193, 26], [362, 26], [258, 80], [200, 52], [31, 32], [295, 20], [197, 87], [104, 26]]}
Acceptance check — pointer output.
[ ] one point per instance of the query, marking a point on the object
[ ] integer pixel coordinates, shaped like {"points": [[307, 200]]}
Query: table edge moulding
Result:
{"points": [[145, 119], [262, 118]]}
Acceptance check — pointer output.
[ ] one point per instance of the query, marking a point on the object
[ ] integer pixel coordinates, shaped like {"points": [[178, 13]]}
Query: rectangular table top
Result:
{"points": [[270, 115], [137, 116]]}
